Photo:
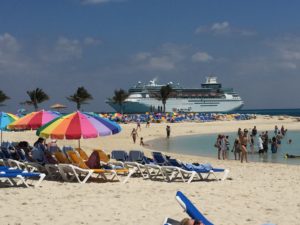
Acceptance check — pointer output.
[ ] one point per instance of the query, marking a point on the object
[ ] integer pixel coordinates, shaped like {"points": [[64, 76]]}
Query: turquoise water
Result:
{"points": [[203, 145]]}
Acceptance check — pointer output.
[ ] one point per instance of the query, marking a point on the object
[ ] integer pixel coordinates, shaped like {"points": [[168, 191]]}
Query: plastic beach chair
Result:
{"points": [[136, 156], [190, 209], [206, 169], [169, 221], [7, 173], [119, 155], [78, 162], [160, 159]]}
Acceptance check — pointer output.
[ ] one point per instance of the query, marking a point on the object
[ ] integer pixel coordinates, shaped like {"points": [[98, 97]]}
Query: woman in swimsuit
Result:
{"points": [[244, 142]]}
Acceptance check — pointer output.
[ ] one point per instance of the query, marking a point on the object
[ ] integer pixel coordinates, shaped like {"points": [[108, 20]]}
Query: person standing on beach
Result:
{"points": [[244, 141], [266, 142], [138, 125], [254, 131], [134, 135], [227, 146], [218, 145], [276, 130], [237, 149], [239, 132], [252, 143], [148, 124], [223, 147], [260, 145], [168, 130]]}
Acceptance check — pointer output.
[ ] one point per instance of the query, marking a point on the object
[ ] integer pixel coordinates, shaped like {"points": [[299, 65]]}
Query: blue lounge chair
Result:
{"points": [[9, 174], [119, 155], [137, 160], [160, 159], [136, 156], [190, 209]]}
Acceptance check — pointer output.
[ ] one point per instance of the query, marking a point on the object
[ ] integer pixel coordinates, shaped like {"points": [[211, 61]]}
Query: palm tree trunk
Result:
{"points": [[121, 107]]}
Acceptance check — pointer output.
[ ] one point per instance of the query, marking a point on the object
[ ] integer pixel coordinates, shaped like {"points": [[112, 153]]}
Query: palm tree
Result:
{"points": [[119, 98], [81, 96], [164, 94], [3, 97], [36, 96]]}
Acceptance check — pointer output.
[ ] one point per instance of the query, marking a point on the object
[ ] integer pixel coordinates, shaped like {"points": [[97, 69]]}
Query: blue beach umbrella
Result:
{"points": [[5, 119]]}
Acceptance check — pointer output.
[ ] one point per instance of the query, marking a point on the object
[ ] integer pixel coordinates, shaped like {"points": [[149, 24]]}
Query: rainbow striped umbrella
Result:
{"points": [[5, 119], [34, 120], [78, 125]]}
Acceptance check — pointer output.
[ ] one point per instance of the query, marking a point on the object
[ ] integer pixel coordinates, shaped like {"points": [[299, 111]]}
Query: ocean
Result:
{"points": [[203, 145], [272, 112]]}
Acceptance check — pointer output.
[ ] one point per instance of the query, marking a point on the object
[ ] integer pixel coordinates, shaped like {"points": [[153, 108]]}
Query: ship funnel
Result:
{"points": [[211, 80]]}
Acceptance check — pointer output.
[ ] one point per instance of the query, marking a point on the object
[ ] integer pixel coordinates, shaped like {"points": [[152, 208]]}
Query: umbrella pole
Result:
{"points": [[1, 137], [78, 143]]}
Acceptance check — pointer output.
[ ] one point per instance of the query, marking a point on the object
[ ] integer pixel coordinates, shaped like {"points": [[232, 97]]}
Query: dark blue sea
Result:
{"points": [[273, 112]]}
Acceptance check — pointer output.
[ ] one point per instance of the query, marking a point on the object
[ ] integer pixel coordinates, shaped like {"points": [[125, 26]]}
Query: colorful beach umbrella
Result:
{"points": [[34, 120], [78, 125], [5, 119]]}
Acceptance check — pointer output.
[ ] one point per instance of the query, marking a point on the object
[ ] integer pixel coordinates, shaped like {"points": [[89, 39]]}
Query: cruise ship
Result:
{"points": [[210, 97]]}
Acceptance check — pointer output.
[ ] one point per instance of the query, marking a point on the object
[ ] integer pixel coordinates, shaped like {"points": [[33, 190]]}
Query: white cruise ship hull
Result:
{"points": [[142, 105]]}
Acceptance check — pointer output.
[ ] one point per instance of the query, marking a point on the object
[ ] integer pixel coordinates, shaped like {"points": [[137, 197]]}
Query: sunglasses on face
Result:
{"points": [[197, 222]]}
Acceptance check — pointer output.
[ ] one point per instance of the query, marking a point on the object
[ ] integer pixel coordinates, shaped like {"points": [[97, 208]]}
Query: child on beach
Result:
{"points": [[142, 142]]}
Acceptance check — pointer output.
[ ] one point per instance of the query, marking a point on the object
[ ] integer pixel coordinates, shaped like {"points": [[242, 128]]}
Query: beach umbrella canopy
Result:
{"points": [[58, 106], [5, 119], [78, 125], [34, 120]]}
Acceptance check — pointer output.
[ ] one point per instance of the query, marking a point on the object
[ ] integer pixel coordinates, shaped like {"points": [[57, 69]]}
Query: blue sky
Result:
{"points": [[252, 46]]}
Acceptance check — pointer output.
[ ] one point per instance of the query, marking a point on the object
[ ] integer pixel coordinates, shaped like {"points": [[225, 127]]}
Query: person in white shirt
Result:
{"points": [[260, 145]]}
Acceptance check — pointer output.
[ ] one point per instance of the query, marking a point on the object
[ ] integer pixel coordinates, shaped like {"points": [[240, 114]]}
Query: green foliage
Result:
{"points": [[81, 96], [120, 97], [3, 97], [36, 97], [164, 94]]}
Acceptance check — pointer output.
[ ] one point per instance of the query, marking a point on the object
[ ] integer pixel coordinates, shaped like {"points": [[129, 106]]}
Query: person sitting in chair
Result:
{"points": [[188, 221]]}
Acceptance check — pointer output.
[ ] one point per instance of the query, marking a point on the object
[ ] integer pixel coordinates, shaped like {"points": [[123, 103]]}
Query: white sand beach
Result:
{"points": [[255, 193]]}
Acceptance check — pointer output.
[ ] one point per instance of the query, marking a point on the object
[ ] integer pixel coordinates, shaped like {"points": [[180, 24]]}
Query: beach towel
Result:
{"points": [[206, 166], [94, 161]]}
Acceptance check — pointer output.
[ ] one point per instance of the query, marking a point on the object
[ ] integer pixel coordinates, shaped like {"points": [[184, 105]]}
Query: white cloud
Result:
{"points": [[161, 63], [202, 57], [8, 44], [165, 58], [11, 58], [66, 49], [90, 41], [223, 28]]}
